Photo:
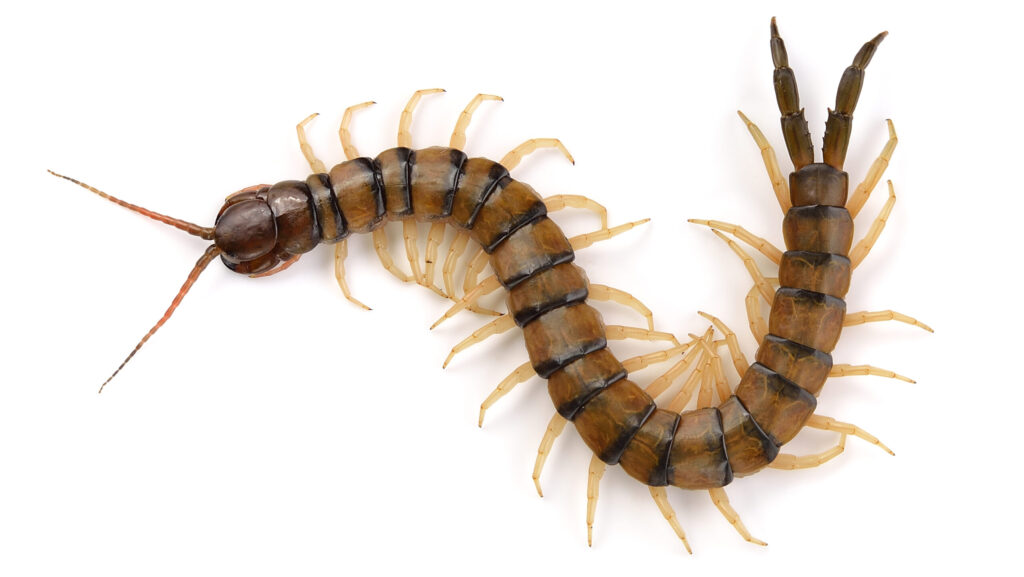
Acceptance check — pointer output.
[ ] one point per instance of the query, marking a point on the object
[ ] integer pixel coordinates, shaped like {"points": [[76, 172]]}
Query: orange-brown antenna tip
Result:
{"points": [[211, 252], [193, 229]]}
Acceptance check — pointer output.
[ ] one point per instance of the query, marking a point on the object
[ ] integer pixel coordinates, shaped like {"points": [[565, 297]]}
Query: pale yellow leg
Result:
{"points": [[663, 382], [721, 500], [863, 190], [661, 498], [594, 475], [619, 332], [738, 359], [495, 327], [712, 376], [751, 266], [476, 265], [845, 370], [640, 362], [513, 158], [404, 136], [455, 252], [763, 246], [771, 162], [682, 398], [520, 375], [458, 140], [340, 253], [307, 150], [789, 462], [862, 317], [582, 241], [864, 246], [412, 250], [380, 245], [345, 135], [434, 239], [489, 285], [560, 201], [555, 428], [830, 424], [758, 326], [600, 292]]}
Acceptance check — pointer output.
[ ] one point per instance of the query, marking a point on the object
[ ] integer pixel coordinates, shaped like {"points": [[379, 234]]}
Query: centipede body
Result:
{"points": [[380, 304]]}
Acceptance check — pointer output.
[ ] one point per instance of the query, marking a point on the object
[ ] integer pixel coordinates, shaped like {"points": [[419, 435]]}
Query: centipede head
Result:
{"points": [[245, 237], [246, 232]]}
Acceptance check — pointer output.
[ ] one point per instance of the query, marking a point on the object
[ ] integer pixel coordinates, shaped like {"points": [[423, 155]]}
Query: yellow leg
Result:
{"points": [[763, 246], [738, 359], [863, 191], [340, 252], [412, 250], [555, 428], [771, 162], [864, 246], [522, 374], [495, 327], [561, 201], [751, 266], [862, 317], [489, 285], [404, 136], [661, 498], [663, 382], [307, 150], [758, 326], [594, 475], [600, 292], [582, 241], [434, 239], [790, 462], [380, 245], [458, 140], [682, 398], [476, 265], [721, 500], [830, 424], [455, 252], [513, 158], [345, 135], [844, 370], [619, 332], [640, 362]]}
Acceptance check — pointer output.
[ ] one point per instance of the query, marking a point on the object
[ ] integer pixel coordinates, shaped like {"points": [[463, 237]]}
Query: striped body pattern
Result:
{"points": [[263, 229]]}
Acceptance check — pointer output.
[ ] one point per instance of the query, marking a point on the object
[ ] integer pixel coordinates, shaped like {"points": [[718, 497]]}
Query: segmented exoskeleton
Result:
{"points": [[263, 229]]}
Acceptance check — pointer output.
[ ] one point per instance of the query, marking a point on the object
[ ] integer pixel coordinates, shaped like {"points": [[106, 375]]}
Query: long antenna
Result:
{"points": [[193, 229], [211, 252]]}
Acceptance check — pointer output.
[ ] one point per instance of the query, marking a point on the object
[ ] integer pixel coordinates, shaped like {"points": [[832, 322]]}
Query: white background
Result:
{"points": [[273, 428]]}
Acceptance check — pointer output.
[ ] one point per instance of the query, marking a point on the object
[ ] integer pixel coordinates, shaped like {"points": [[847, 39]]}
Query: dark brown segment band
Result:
{"points": [[749, 448], [555, 287], [572, 386], [292, 205], [809, 318], [807, 367], [508, 208], [535, 247], [780, 407], [609, 420], [328, 216], [818, 229], [479, 177], [393, 167], [360, 201], [563, 335], [820, 272], [698, 459], [647, 454], [433, 180], [818, 184]]}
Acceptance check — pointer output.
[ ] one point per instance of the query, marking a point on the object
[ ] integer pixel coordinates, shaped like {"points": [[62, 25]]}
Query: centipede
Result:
{"points": [[688, 428]]}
